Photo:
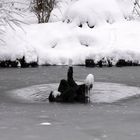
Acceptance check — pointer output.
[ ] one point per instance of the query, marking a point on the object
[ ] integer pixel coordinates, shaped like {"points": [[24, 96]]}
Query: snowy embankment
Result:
{"points": [[90, 30]]}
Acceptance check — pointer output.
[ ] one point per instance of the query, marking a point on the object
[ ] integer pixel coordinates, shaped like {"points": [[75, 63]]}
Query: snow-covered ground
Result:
{"points": [[85, 29]]}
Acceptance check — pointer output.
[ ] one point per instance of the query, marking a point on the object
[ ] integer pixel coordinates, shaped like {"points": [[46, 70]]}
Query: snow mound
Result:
{"points": [[96, 12], [56, 43], [109, 37]]}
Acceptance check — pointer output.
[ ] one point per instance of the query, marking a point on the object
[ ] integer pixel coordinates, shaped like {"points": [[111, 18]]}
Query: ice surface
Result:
{"points": [[101, 93]]}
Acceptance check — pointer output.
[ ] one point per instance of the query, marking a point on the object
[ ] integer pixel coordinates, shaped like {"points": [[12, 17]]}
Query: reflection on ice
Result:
{"points": [[101, 92]]}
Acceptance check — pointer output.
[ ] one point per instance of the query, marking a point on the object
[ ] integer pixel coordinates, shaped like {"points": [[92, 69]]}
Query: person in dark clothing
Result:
{"points": [[63, 86], [81, 94], [51, 97], [70, 80], [69, 90], [68, 87]]}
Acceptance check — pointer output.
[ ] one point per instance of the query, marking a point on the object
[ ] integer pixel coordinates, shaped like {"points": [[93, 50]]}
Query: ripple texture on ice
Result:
{"points": [[101, 93]]}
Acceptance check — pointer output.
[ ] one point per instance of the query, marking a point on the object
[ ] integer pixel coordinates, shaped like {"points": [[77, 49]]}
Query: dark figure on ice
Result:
{"points": [[70, 91]]}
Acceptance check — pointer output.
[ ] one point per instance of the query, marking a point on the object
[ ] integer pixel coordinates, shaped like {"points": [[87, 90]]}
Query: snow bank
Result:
{"points": [[56, 43], [96, 12], [59, 10], [104, 33], [126, 7]]}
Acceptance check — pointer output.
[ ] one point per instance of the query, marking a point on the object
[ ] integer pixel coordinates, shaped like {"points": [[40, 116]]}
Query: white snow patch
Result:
{"points": [[104, 33], [93, 12], [45, 123], [56, 43], [89, 81]]}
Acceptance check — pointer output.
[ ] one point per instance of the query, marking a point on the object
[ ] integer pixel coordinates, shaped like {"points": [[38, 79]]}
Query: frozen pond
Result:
{"points": [[26, 114], [102, 92]]}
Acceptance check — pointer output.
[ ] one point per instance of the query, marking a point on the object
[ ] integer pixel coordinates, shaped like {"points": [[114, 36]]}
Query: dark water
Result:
{"points": [[45, 121]]}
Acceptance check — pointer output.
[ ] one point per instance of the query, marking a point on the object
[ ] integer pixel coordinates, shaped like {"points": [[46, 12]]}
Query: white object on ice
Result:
{"points": [[89, 81], [45, 123], [19, 64], [56, 93]]}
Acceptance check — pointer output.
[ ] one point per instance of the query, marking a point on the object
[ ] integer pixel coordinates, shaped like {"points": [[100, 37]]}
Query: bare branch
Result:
{"points": [[42, 9], [7, 16]]}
